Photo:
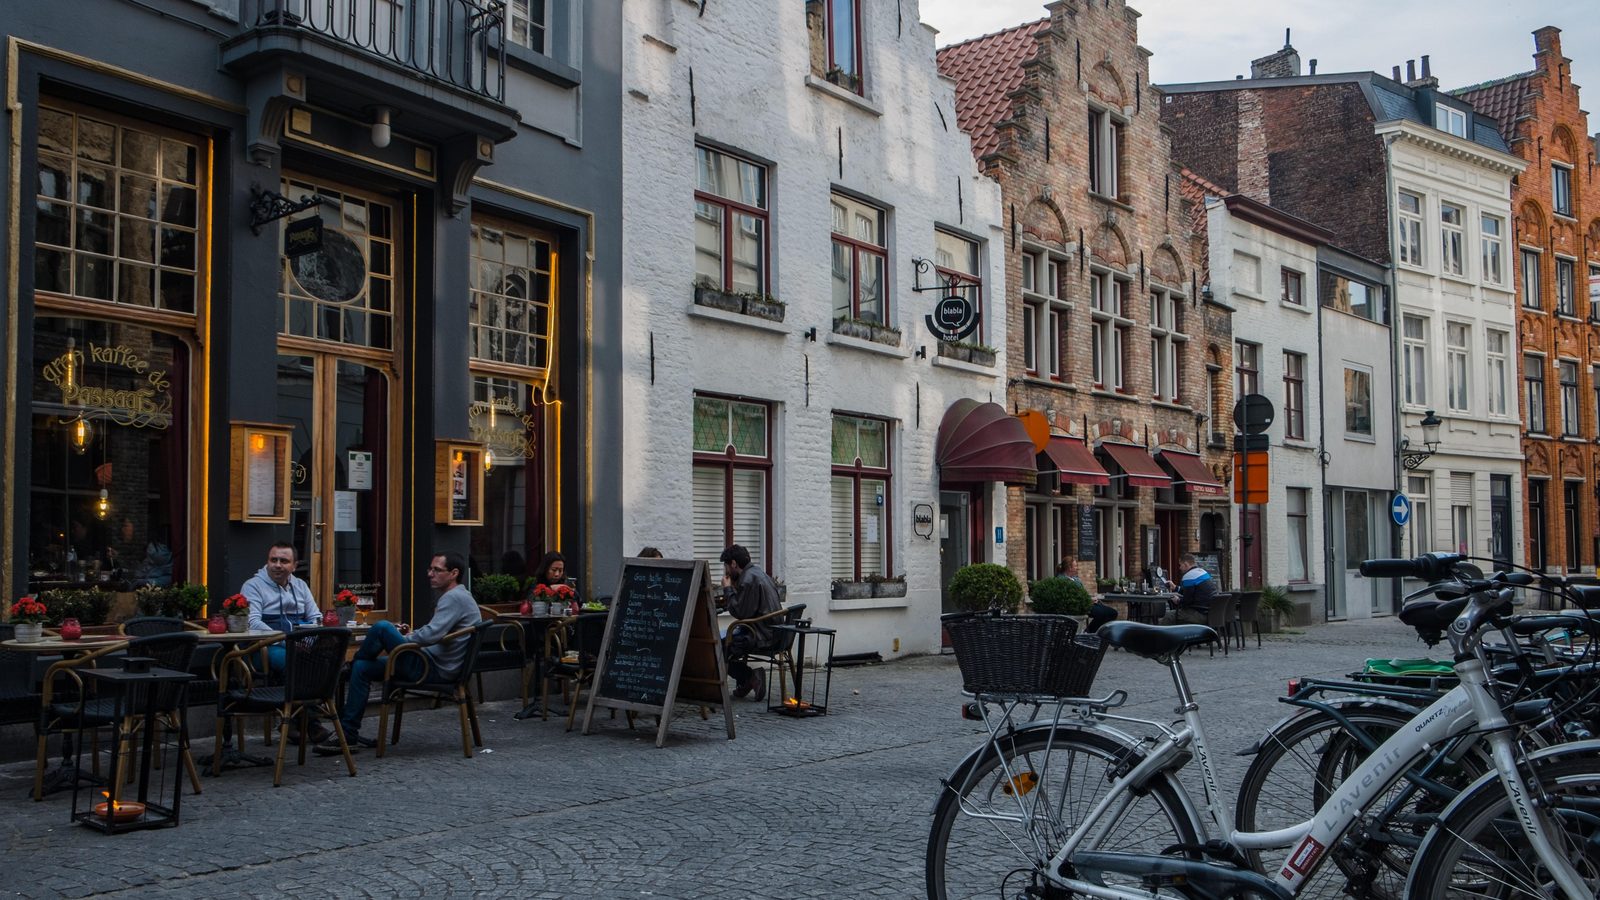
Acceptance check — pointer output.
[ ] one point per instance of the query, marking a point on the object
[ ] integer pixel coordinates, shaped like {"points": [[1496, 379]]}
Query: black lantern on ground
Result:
{"points": [[810, 694], [137, 692]]}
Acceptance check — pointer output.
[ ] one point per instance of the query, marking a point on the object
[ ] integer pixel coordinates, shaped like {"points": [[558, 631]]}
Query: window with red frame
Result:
{"points": [[732, 476], [955, 260], [1294, 395], [860, 262], [730, 223], [844, 44], [859, 498]]}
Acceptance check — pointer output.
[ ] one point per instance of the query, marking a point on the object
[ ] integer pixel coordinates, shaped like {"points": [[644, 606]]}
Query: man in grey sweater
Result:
{"points": [[454, 610]]}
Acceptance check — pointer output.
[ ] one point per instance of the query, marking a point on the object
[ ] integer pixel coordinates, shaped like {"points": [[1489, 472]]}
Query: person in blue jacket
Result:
{"points": [[1195, 591]]}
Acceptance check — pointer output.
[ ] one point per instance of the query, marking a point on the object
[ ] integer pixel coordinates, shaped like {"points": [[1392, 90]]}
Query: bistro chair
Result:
{"points": [[1219, 616], [447, 689], [148, 626], [313, 659], [1249, 611], [19, 694], [60, 711], [172, 650], [577, 664], [779, 652], [505, 649]]}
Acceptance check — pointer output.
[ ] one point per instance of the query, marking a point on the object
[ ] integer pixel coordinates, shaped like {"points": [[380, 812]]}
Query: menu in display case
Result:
{"points": [[259, 473]]}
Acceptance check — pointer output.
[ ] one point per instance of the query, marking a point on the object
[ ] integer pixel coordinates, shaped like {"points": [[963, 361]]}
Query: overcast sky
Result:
{"points": [[1468, 41]]}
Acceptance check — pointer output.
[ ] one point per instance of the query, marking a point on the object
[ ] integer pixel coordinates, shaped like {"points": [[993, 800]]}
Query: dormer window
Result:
{"points": [[1448, 118]]}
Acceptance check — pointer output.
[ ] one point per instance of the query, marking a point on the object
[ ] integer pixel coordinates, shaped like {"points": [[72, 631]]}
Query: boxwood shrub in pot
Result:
{"points": [[1059, 597], [975, 587]]}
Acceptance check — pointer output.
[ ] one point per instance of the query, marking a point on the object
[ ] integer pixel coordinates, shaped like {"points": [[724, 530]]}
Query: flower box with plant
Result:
{"points": [[28, 616], [840, 589], [237, 610], [968, 351], [709, 295], [867, 330], [158, 600], [494, 589], [887, 585]]}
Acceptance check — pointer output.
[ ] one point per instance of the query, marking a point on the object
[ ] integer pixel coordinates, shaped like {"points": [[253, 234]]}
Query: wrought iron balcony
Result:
{"points": [[457, 42]]}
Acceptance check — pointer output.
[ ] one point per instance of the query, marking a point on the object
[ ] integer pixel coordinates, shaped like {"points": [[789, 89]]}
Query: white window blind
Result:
{"points": [[710, 502], [843, 528], [874, 537], [750, 512]]}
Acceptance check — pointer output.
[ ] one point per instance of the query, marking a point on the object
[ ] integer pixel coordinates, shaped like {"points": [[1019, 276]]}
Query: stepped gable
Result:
{"points": [[987, 70]]}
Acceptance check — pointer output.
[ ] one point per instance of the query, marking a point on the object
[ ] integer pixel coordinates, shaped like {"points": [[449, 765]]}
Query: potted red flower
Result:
{"points": [[28, 616], [237, 611], [561, 597], [344, 605]]}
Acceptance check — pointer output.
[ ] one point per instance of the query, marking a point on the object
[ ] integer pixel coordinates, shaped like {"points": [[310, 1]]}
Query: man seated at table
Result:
{"points": [[279, 601], [453, 610], [747, 592], [1195, 592]]}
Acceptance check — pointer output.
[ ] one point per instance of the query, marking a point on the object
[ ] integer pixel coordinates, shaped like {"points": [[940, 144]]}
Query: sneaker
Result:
{"points": [[330, 747], [742, 691], [758, 687]]}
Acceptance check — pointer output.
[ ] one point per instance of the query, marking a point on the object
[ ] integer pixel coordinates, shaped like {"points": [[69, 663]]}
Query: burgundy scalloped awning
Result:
{"points": [[983, 442], [1075, 461], [1190, 472], [1137, 463]]}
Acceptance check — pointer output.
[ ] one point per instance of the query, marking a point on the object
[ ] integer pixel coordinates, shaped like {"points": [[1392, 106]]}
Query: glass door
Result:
{"points": [[339, 409], [955, 549]]}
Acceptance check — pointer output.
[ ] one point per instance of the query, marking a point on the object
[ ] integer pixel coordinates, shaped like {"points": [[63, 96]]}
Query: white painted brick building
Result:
{"points": [[735, 126]]}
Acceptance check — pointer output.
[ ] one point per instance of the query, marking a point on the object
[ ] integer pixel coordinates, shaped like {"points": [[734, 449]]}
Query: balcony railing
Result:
{"points": [[458, 42]]}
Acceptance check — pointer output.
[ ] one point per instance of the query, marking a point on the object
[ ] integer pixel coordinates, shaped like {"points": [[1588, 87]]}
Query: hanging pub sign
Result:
{"points": [[953, 318], [302, 236]]}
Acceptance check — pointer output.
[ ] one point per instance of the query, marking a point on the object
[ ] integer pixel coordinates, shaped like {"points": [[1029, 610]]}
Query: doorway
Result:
{"points": [[339, 484], [1250, 574], [955, 545]]}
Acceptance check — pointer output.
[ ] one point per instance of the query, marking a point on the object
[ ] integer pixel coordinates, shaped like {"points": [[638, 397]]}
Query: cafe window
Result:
{"points": [[507, 417], [109, 481], [730, 223], [732, 476], [345, 291], [513, 293], [859, 497], [116, 212]]}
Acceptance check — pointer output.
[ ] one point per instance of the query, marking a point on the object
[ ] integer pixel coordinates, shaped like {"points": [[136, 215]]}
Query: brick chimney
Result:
{"points": [[1283, 64], [1426, 81]]}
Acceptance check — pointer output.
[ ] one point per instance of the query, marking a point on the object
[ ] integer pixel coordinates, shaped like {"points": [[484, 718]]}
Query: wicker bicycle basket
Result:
{"points": [[1035, 655]]}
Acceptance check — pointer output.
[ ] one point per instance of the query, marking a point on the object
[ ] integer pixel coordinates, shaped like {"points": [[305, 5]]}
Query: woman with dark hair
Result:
{"points": [[650, 553], [551, 572]]}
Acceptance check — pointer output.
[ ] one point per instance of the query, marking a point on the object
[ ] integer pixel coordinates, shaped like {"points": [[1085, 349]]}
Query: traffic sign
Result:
{"points": [[1400, 509], [1253, 414]]}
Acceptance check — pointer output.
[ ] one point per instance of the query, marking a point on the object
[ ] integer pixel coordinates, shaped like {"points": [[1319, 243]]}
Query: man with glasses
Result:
{"points": [[454, 610]]}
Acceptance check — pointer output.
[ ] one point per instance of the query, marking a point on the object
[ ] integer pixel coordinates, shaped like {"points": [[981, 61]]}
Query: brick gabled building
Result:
{"points": [[1417, 181], [1107, 330], [1556, 202]]}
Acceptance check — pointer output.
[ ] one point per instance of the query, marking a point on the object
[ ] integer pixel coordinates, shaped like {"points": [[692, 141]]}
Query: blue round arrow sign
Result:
{"points": [[1400, 509]]}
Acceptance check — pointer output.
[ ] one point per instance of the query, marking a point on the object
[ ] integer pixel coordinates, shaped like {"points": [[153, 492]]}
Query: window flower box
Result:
{"points": [[764, 306], [851, 590], [706, 295], [867, 331], [888, 588], [978, 354]]}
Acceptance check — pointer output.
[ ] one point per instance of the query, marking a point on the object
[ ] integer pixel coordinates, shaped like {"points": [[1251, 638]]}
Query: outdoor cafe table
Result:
{"points": [[1147, 608], [535, 630], [65, 774]]}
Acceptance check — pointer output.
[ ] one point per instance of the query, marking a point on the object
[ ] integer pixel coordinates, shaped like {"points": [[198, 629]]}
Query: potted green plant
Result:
{"points": [[492, 589], [27, 619], [1105, 585], [1059, 597], [90, 607], [156, 600], [191, 599], [979, 586], [1277, 610]]}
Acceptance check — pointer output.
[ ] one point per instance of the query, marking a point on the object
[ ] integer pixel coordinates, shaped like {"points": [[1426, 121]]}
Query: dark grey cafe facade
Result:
{"points": [[415, 369]]}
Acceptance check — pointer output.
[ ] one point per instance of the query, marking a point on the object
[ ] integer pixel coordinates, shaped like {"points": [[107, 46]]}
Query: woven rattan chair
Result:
{"points": [[451, 689], [1219, 616], [173, 650], [312, 662], [504, 650], [61, 713], [779, 652], [19, 693], [147, 626]]}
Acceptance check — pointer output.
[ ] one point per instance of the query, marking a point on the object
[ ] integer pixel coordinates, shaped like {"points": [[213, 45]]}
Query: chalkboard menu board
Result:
{"points": [[1088, 537], [1211, 562], [647, 619], [661, 644]]}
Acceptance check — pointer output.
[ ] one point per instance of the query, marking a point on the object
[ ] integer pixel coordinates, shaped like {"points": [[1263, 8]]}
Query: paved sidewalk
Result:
{"points": [[830, 807]]}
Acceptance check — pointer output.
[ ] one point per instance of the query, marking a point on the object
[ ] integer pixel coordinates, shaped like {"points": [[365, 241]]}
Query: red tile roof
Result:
{"points": [[1506, 99], [986, 70]]}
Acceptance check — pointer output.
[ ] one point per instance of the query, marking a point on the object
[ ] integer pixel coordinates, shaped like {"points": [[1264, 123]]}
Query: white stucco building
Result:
{"points": [[1455, 325], [770, 152], [1263, 263]]}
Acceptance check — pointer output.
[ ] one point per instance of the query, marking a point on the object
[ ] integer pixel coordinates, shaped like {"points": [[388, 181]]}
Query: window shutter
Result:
{"points": [[843, 530], [750, 513], [874, 527], [710, 503], [1461, 488]]}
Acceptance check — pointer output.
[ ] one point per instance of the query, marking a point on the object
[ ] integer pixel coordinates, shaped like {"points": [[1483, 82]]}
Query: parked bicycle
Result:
{"points": [[1074, 806]]}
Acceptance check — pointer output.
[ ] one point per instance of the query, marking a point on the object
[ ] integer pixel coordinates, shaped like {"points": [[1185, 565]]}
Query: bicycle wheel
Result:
{"points": [[1480, 850], [1298, 767], [993, 833]]}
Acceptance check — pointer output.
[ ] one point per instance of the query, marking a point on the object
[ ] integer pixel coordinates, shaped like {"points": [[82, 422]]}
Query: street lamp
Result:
{"points": [[1412, 459]]}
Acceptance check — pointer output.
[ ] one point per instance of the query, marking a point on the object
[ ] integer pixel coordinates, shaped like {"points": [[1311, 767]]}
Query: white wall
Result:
{"points": [[752, 92]]}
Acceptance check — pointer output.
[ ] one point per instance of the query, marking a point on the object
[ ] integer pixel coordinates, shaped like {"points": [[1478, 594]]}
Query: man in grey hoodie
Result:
{"points": [[279, 601], [454, 610]]}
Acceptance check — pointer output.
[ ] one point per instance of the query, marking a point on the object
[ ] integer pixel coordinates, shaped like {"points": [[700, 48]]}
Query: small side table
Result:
{"points": [[805, 701], [136, 689]]}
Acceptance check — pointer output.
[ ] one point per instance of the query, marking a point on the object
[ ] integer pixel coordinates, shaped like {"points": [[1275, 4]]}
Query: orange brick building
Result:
{"points": [[1556, 201], [1110, 332]]}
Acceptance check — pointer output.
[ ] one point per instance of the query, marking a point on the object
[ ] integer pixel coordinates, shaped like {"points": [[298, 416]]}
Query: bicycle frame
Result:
{"points": [[1469, 705]]}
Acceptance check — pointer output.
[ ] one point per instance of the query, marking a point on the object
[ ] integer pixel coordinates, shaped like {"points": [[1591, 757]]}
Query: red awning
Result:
{"points": [[1190, 472], [1075, 462], [1140, 467], [983, 442]]}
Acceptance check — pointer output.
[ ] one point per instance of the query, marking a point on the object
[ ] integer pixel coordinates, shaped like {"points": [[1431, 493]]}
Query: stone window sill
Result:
{"points": [[700, 311], [867, 603], [839, 93], [854, 343], [944, 362]]}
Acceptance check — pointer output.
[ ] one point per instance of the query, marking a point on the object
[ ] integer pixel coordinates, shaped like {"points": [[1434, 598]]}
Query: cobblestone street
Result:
{"points": [[831, 807]]}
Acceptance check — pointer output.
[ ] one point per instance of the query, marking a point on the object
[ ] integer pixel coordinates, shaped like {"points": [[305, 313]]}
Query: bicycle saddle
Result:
{"points": [[1586, 595], [1155, 641], [1432, 613]]}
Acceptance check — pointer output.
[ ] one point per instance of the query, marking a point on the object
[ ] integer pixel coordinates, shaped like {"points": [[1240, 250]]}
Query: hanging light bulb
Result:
{"points": [[488, 459], [82, 434], [103, 508]]}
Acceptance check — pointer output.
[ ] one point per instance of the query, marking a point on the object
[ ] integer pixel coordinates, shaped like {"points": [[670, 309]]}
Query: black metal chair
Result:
{"points": [[504, 650], [204, 688], [172, 650], [779, 652], [19, 692], [1219, 616], [313, 659], [455, 688], [148, 626], [577, 663], [1249, 611]]}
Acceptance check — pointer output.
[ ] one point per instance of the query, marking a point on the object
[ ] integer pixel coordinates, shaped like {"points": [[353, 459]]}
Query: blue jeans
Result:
{"points": [[368, 668]]}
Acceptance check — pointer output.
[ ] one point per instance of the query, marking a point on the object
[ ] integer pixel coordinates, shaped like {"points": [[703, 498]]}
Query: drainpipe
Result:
{"points": [[1322, 465], [1394, 351]]}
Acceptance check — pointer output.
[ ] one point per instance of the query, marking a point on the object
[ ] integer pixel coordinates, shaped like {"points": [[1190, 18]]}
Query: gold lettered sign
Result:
{"points": [[502, 428], [145, 403]]}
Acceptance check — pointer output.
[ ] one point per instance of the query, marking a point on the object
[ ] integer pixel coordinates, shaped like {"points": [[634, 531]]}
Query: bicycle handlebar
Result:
{"points": [[1429, 567]]}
